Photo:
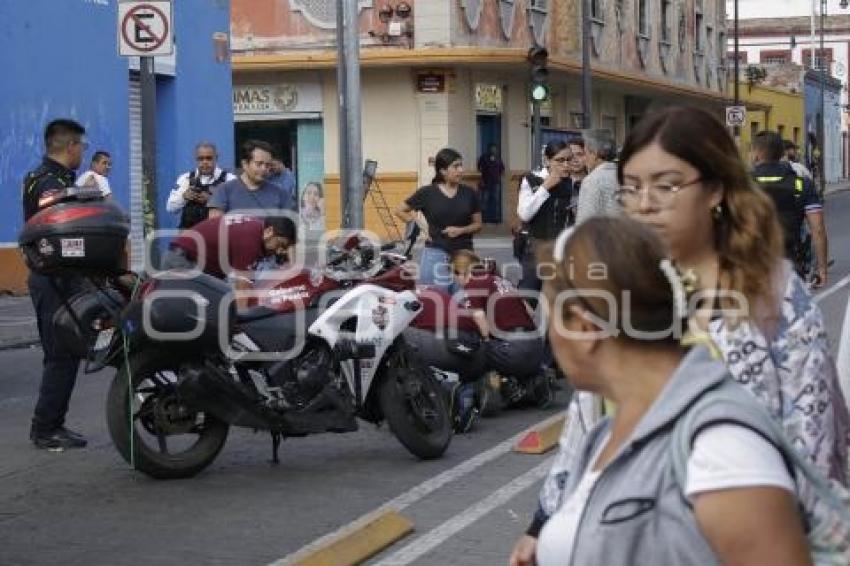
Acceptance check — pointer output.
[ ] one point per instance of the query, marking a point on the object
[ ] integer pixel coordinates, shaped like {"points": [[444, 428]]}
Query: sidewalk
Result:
{"points": [[17, 317], [17, 322]]}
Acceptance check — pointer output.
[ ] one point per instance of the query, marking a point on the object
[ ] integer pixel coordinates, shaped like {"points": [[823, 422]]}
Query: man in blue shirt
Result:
{"points": [[251, 190]]}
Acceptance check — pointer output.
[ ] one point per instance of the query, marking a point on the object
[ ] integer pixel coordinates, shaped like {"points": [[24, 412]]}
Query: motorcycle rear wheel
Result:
{"points": [[159, 417], [415, 407]]}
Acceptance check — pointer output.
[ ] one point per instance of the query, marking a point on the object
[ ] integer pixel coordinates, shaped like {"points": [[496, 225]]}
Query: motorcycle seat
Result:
{"points": [[254, 313]]}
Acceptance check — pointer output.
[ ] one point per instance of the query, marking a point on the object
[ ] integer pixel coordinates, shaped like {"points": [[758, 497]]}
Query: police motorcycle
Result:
{"points": [[457, 358], [189, 365]]}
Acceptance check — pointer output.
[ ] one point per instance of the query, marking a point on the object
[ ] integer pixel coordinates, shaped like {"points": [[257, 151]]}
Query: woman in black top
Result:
{"points": [[453, 213]]}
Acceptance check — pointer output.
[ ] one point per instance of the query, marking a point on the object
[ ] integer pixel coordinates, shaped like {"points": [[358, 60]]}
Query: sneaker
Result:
{"points": [[58, 439]]}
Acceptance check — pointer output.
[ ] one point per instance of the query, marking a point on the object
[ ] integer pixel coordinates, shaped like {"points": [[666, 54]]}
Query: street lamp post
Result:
{"points": [[737, 129]]}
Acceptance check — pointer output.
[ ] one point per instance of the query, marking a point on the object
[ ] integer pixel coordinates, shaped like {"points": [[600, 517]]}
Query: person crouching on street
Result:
{"points": [[248, 241], [512, 343]]}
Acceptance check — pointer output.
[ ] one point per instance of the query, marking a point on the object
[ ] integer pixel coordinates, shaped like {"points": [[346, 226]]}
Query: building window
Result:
{"points": [[754, 130], [777, 57], [597, 10], [823, 57], [742, 58], [665, 21], [698, 41], [643, 18], [796, 138], [780, 129]]}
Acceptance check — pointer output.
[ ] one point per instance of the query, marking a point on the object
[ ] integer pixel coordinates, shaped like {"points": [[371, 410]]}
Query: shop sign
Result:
{"points": [[430, 82], [280, 98], [488, 98]]}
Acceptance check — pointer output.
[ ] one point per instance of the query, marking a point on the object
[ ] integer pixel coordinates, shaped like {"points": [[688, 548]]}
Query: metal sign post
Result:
{"points": [[350, 142], [145, 30]]}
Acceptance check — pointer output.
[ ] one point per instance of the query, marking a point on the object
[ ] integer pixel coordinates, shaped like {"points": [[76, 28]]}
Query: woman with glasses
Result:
{"points": [[544, 207], [724, 234]]}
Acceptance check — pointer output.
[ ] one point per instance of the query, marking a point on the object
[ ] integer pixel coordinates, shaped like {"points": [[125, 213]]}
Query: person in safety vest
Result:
{"points": [[795, 198]]}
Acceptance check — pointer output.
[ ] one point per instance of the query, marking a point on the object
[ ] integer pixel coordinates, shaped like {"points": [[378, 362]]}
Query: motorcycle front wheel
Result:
{"points": [[170, 440], [414, 405]]}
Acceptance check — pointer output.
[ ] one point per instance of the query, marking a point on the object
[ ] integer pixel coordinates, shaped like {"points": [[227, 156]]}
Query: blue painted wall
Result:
{"points": [[59, 59]]}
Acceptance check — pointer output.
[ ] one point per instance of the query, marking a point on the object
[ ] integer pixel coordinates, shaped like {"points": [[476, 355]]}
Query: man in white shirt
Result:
{"points": [[96, 176], [791, 157], [193, 189]]}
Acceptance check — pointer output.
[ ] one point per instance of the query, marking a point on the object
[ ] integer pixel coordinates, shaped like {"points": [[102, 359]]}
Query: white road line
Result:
{"points": [[448, 529], [418, 492], [831, 290]]}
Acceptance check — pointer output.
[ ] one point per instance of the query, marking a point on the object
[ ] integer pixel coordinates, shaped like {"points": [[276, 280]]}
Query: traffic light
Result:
{"points": [[537, 57]]}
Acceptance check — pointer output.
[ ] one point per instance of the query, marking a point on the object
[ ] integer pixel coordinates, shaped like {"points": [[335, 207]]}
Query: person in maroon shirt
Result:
{"points": [[248, 241], [512, 344]]}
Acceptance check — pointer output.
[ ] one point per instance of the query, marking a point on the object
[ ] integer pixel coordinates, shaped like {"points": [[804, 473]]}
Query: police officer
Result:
{"points": [[193, 189], [65, 144], [795, 198]]}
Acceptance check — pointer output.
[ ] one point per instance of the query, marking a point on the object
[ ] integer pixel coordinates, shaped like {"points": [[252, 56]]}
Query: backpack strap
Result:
{"points": [[725, 405]]}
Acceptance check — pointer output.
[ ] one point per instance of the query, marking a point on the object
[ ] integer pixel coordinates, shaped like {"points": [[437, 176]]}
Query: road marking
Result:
{"points": [[831, 290], [416, 493], [448, 529]]}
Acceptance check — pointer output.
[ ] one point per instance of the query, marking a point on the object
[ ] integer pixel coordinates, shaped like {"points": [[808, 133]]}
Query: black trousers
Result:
{"points": [[59, 366]]}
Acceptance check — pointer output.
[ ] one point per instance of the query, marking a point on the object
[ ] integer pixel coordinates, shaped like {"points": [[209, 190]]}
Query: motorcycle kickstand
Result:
{"points": [[276, 437]]}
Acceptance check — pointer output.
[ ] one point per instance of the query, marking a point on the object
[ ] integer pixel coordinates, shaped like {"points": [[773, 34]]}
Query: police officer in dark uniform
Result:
{"points": [[795, 198], [65, 144]]}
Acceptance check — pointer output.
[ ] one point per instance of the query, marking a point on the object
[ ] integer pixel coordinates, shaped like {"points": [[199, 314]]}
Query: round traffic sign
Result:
{"points": [[144, 35]]}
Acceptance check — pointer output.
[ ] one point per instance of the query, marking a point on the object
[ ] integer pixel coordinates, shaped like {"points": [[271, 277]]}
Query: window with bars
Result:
{"points": [[666, 6], [597, 10], [782, 57], [699, 43], [643, 17], [742, 58], [823, 58]]}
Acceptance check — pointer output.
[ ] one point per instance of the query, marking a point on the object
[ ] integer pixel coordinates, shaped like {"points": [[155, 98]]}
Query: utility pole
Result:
{"points": [[147, 84], [350, 139], [586, 80], [737, 129], [822, 125]]}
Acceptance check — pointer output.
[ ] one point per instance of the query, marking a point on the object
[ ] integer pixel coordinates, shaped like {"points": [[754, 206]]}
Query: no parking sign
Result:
{"points": [[145, 28]]}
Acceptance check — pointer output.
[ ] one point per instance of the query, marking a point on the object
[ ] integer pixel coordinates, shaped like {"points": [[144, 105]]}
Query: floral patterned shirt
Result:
{"points": [[792, 374]]}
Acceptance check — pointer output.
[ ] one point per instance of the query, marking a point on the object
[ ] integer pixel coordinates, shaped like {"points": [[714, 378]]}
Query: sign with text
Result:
{"points": [[145, 28], [488, 98], [430, 82], [277, 99], [736, 115]]}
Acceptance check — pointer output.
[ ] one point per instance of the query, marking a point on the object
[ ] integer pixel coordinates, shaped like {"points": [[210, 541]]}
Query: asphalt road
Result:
{"points": [[88, 508]]}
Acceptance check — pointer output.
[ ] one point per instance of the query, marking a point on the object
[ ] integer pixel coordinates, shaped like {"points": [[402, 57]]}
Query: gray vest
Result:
{"points": [[637, 512]]}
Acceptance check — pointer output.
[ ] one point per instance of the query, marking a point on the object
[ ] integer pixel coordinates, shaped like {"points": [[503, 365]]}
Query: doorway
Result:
{"points": [[281, 134], [489, 128]]}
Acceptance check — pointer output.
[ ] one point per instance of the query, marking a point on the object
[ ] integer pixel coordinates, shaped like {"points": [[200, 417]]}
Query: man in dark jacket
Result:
{"points": [[65, 144]]}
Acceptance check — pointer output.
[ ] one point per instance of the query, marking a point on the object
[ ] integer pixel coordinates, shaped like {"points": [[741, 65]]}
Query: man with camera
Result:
{"points": [[193, 189]]}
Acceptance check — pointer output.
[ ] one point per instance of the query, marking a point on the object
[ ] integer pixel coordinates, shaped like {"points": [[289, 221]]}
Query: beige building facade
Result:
{"points": [[453, 73]]}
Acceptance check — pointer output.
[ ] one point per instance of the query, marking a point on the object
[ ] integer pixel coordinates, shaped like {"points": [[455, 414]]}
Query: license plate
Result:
{"points": [[104, 339]]}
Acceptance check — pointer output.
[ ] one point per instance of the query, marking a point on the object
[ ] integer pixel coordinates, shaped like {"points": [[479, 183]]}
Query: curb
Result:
{"points": [[20, 345], [541, 440], [359, 544]]}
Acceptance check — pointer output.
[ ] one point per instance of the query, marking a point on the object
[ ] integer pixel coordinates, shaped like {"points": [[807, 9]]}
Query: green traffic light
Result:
{"points": [[539, 93]]}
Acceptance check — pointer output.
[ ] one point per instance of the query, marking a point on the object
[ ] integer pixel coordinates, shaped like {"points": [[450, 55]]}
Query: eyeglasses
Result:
{"points": [[661, 194], [83, 143]]}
